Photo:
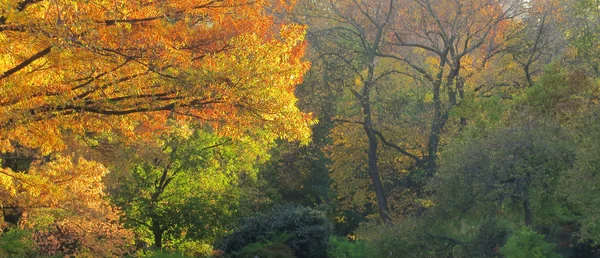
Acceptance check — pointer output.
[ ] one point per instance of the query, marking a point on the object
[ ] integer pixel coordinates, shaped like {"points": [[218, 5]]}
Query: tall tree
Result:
{"points": [[81, 68], [438, 48], [452, 40], [365, 23]]}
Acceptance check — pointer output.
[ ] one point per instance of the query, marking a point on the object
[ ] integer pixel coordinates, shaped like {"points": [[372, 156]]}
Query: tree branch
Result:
{"points": [[25, 63], [384, 141]]}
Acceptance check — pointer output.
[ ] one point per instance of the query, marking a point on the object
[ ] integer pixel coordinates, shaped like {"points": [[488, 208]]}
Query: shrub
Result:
{"points": [[195, 249], [308, 231], [268, 249], [407, 239], [158, 254], [16, 242], [341, 247], [527, 243]]}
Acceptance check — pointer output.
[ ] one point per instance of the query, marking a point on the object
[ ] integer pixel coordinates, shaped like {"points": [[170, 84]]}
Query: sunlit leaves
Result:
{"points": [[114, 65], [66, 194]]}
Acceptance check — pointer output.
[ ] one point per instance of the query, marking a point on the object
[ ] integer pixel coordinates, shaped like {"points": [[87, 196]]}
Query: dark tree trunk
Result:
{"points": [[528, 75], [437, 125], [528, 212], [372, 149], [12, 215], [16, 163], [158, 232], [374, 173], [460, 86], [526, 203]]}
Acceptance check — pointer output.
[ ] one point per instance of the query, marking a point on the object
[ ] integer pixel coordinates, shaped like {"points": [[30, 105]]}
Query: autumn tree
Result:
{"points": [[446, 42], [538, 38], [73, 72], [128, 62], [582, 29], [370, 37], [432, 52], [85, 68]]}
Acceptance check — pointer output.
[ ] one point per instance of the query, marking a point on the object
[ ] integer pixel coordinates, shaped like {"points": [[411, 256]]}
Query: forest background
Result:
{"points": [[277, 128]]}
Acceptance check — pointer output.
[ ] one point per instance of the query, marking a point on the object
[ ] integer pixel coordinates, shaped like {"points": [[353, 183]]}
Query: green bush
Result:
{"points": [[195, 249], [527, 243], [341, 247], [157, 254], [407, 240], [268, 249], [179, 250], [308, 231], [17, 243]]}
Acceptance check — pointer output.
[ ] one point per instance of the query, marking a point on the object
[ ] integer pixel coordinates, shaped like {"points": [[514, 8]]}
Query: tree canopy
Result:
{"points": [[299, 128]]}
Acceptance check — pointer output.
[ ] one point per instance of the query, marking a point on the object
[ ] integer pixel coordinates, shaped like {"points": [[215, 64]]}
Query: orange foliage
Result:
{"points": [[64, 201], [96, 66]]}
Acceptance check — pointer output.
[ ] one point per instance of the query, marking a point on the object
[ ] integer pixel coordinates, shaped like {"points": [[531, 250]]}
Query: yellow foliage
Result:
{"points": [[96, 66]]}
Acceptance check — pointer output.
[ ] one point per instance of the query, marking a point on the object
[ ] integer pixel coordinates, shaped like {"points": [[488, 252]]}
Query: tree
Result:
{"points": [[77, 70], [582, 181], [456, 39], [515, 168], [189, 190], [537, 39], [74, 72], [350, 21], [436, 50], [71, 66], [583, 28]]}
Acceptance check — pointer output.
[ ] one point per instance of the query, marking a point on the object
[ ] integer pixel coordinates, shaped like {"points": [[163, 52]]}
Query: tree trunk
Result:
{"points": [[527, 204], [528, 75], [372, 152], [157, 231], [374, 174], [12, 215], [528, 212], [437, 124], [460, 86], [16, 163]]}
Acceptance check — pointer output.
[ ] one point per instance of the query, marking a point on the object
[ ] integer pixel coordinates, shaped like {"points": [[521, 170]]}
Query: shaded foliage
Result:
{"points": [[308, 230]]}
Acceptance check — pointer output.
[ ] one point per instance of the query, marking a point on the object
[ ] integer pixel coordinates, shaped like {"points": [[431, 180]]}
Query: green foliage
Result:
{"points": [[341, 247], [560, 93], [503, 170], [275, 248], [308, 229], [550, 90], [188, 191], [17, 243], [296, 174], [159, 254], [195, 249], [581, 186], [527, 243], [408, 239], [584, 36]]}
